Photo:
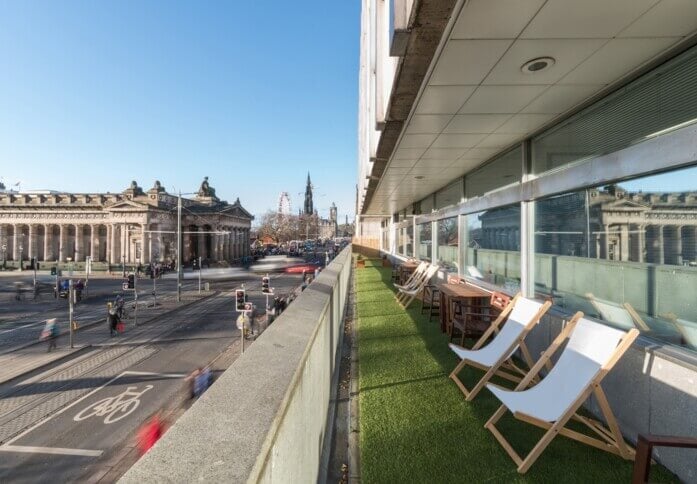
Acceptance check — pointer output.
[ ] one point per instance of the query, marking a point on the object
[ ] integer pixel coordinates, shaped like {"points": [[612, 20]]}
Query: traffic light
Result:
{"points": [[265, 289], [53, 271], [131, 281], [195, 264], [240, 299]]}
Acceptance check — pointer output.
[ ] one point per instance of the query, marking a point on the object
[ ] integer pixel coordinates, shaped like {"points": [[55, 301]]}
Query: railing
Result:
{"points": [[265, 419]]}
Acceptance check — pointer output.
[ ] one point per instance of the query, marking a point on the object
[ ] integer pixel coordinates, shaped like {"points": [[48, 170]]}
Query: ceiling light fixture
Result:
{"points": [[419, 177], [536, 65]]}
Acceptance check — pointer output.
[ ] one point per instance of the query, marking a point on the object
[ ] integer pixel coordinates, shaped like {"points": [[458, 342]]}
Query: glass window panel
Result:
{"points": [[624, 253], [386, 239], [502, 171], [493, 247], [409, 252], [424, 238], [450, 195], [661, 99], [448, 244], [401, 242]]}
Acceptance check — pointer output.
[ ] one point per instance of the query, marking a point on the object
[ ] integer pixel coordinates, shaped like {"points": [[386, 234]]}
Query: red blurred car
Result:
{"points": [[300, 268]]}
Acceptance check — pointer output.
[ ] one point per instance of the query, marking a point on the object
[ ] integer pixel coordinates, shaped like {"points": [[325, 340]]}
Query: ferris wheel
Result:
{"points": [[284, 206]]}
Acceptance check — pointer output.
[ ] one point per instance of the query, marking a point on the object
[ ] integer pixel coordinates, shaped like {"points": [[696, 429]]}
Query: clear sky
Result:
{"points": [[252, 94]]}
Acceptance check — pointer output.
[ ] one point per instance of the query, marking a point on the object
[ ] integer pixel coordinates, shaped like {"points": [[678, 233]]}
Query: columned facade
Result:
{"points": [[131, 227]]}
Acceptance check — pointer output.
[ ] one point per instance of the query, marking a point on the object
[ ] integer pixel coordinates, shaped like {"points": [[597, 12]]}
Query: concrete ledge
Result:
{"points": [[265, 418]]}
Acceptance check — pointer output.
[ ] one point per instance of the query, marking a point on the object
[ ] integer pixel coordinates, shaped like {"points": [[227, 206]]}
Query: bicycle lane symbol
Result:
{"points": [[114, 408]]}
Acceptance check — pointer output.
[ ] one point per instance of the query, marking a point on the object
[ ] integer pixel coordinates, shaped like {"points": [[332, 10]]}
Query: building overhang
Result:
{"points": [[480, 93]]}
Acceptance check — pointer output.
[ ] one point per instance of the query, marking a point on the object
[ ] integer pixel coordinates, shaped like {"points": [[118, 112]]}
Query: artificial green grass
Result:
{"points": [[415, 425]]}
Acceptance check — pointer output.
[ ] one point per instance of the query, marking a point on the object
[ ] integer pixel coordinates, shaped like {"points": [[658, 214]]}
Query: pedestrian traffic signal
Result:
{"points": [[195, 264], [53, 271], [265, 285], [240, 299], [131, 281]]}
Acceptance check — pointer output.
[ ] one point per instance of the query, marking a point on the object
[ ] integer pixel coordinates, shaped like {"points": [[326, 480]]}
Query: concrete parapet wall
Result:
{"points": [[265, 418]]}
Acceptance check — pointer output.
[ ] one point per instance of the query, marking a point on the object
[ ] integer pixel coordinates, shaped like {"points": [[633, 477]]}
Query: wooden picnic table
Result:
{"points": [[456, 292]]}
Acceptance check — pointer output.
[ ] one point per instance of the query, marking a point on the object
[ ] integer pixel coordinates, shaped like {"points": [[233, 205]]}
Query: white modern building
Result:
{"points": [[548, 147]]}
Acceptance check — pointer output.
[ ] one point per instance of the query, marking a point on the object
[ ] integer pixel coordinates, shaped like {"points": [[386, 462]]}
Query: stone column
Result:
{"points": [[661, 248], [79, 243], [94, 235], [624, 243], [111, 242], [226, 245], [235, 243], [144, 248], [62, 243], [15, 242], [48, 242], [641, 238], [33, 246]]}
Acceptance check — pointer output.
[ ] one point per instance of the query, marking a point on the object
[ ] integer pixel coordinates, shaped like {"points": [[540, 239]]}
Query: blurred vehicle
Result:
{"points": [[308, 267]]}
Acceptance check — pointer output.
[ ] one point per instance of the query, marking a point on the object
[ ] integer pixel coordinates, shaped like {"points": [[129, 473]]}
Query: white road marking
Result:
{"points": [[31, 449], [166, 375]]}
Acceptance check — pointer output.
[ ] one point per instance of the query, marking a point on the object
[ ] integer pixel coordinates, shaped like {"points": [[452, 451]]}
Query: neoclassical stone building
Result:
{"points": [[131, 227]]}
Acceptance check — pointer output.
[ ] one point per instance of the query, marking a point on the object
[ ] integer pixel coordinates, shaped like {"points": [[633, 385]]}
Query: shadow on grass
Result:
{"points": [[415, 425]]}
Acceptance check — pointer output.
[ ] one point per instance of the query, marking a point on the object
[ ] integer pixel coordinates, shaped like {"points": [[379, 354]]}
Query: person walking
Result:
{"points": [[50, 333], [112, 318]]}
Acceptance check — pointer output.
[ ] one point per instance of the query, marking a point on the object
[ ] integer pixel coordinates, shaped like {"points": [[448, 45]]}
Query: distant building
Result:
{"points": [[134, 226]]}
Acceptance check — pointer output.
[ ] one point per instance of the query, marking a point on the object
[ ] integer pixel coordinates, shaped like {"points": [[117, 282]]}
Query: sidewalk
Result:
{"points": [[34, 355]]}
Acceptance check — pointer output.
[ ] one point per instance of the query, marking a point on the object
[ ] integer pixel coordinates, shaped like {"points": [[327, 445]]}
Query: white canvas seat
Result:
{"points": [[406, 296], [520, 316], [592, 350], [624, 315]]}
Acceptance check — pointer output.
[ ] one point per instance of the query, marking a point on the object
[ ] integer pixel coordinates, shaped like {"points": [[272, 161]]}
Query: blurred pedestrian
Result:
{"points": [[150, 432], [50, 333], [112, 318]]}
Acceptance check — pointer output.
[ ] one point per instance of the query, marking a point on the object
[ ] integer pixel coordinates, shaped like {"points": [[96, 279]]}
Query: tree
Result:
{"points": [[280, 227]]}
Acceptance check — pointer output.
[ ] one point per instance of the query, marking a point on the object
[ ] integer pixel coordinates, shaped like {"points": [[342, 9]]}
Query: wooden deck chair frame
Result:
{"points": [[610, 437], [415, 283], [418, 272], [405, 297], [504, 367], [636, 319]]}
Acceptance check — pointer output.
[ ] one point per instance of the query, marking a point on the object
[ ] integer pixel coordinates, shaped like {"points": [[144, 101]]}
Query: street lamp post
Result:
{"points": [[21, 249], [179, 247]]}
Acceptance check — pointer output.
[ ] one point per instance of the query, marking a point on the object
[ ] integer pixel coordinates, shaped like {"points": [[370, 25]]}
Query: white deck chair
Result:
{"points": [[592, 351], [624, 315], [418, 273], [520, 316], [406, 296]]}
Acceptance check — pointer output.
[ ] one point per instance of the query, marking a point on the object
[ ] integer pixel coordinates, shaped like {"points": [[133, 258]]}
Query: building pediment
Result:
{"points": [[126, 206], [625, 204]]}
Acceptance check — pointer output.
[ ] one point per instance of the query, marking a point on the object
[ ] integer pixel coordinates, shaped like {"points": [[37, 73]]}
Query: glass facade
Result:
{"points": [[493, 247], [425, 242], [448, 244], [505, 170], [624, 253], [401, 241]]}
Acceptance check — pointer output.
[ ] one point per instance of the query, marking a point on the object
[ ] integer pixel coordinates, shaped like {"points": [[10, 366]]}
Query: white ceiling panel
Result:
{"points": [[567, 53], [617, 58], [564, 19], [666, 19], [443, 153], [480, 153], [498, 140], [501, 99], [458, 140], [475, 123], [408, 153], [466, 62], [511, 17], [462, 166], [443, 99], [402, 163], [435, 163], [524, 123], [417, 140], [428, 123], [558, 99]]}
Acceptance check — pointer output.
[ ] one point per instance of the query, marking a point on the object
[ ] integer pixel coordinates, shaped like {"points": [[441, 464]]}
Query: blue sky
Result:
{"points": [[250, 94]]}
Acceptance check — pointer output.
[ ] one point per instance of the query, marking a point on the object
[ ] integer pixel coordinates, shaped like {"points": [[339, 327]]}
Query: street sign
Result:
{"points": [[248, 306]]}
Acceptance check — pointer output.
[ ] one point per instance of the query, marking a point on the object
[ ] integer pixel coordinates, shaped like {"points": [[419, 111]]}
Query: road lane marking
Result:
{"points": [[115, 408], [31, 449], [50, 417]]}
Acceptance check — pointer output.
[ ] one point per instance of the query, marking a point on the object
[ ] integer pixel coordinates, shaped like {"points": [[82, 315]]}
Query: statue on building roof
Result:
{"points": [[206, 190], [157, 187]]}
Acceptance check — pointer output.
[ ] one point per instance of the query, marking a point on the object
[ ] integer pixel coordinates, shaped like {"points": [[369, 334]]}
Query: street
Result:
{"points": [[76, 415]]}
